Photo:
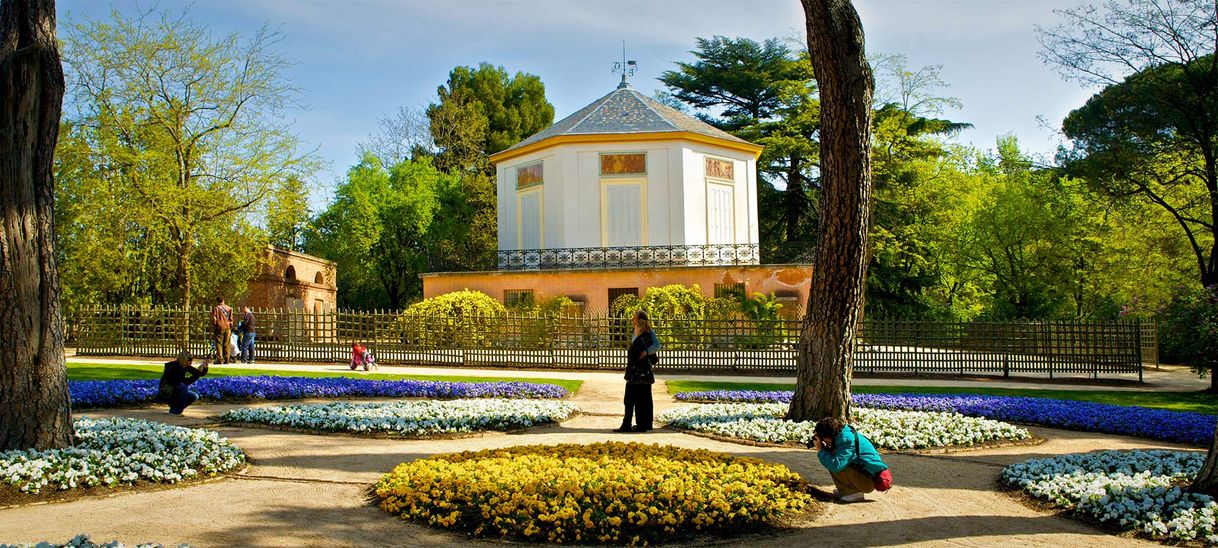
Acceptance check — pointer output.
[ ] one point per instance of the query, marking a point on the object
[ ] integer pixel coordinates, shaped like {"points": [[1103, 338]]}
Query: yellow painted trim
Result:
{"points": [[541, 212], [621, 181], [498, 157]]}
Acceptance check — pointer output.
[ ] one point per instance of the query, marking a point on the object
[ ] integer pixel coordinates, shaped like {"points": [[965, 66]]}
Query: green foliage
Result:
{"points": [[451, 319], [483, 111], [1151, 138], [383, 227], [287, 214], [1188, 330], [184, 135]]}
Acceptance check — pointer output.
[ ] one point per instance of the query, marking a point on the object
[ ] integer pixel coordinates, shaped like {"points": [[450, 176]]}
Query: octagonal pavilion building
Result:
{"points": [[626, 194]]}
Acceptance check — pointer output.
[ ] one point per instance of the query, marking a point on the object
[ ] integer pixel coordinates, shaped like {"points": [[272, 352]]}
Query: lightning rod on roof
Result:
{"points": [[625, 68]]}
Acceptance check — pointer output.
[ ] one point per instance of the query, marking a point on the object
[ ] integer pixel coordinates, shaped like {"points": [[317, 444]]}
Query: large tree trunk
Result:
{"points": [[826, 342], [1207, 479], [35, 411]]}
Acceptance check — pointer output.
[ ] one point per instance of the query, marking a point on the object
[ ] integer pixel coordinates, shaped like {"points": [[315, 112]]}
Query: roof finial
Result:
{"points": [[626, 68]]}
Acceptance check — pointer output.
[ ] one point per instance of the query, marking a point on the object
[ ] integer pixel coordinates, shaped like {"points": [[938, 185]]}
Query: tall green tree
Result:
{"points": [[1152, 132], [287, 214], [482, 111], [191, 125], [765, 93], [35, 411], [379, 229], [909, 148]]}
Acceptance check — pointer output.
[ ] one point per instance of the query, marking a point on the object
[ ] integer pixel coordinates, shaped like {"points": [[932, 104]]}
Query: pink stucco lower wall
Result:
{"points": [[592, 287]]}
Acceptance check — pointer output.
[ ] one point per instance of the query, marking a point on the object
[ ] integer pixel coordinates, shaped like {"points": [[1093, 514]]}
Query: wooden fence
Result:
{"points": [[597, 341]]}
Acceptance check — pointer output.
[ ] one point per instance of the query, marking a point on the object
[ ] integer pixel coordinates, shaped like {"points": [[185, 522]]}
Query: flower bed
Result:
{"points": [[87, 394], [80, 541], [112, 452], [600, 493], [1129, 489], [409, 418], [889, 429], [1144, 422]]}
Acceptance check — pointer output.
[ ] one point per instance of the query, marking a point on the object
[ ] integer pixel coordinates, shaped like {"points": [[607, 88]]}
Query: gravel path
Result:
{"points": [[312, 490]]}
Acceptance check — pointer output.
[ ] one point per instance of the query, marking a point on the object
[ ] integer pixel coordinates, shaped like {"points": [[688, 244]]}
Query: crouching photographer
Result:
{"points": [[179, 374]]}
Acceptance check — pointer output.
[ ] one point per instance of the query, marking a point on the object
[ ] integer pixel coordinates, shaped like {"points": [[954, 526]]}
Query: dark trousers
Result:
{"points": [[638, 403], [223, 341], [181, 399]]}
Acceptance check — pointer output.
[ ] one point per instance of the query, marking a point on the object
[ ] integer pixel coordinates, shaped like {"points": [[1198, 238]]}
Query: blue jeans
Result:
{"points": [[247, 347], [181, 399]]}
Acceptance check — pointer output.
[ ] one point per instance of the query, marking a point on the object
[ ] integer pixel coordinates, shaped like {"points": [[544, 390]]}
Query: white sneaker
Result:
{"points": [[853, 497]]}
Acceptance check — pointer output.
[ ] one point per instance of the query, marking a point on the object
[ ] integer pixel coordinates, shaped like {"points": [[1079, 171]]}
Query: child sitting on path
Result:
{"points": [[361, 356]]}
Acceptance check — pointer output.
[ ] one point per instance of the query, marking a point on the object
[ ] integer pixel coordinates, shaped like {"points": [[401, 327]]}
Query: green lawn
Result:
{"points": [[1201, 402], [106, 371]]}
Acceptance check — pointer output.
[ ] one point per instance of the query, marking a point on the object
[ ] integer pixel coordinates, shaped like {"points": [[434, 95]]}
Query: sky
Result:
{"points": [[357, 61]]}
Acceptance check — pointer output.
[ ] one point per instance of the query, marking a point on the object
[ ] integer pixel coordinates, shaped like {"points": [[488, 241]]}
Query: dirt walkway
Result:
{"points": [[311, 490]]}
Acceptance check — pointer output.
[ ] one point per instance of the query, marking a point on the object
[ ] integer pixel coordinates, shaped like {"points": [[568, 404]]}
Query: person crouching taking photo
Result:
{"points": [[178, 375], [852, 461]]}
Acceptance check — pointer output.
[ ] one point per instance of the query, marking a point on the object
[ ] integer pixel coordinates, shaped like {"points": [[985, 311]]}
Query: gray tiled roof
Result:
{"points": [[625, 110]]}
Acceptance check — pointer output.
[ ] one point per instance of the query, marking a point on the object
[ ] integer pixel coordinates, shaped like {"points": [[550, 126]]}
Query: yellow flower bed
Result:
{"points": [[600, 493]]}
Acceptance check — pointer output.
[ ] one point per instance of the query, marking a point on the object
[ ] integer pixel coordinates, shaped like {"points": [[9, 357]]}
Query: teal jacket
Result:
{"points": [[843, 453]]}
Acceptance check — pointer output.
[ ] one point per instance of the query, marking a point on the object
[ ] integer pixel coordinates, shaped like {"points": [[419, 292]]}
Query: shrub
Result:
{"points": [[599, 493], [1188, 330], [451, 319]]}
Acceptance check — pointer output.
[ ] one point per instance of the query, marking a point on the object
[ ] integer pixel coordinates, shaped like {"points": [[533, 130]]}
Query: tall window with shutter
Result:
{"points": [[720, 201], [623, 199], [530, 180]]}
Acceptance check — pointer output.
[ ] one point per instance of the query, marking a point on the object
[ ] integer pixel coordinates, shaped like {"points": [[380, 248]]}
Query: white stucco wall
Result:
{"points": [[675, 193]]}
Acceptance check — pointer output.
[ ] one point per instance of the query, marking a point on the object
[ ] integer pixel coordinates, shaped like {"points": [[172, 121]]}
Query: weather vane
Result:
{"points": [[624, 67]]}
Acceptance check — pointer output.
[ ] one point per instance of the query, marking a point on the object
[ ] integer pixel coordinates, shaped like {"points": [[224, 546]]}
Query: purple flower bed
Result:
{"points": [[86, 394], [1144, 422]]}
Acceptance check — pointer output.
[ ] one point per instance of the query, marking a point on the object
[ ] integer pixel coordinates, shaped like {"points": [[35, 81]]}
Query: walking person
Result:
{"points": [[222, 331], [639, 377], [852, 461], [178, 375], [249, 331]]}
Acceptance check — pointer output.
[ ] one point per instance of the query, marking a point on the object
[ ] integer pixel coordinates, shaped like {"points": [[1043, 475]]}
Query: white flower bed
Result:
{"points": [[1132, 489], [410, 418], [116, 451], [82, 541], [889, 429]]}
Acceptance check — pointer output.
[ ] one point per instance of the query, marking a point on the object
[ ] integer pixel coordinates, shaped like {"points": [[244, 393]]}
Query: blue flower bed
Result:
{"points": [[1144, 422], [87, 394]]}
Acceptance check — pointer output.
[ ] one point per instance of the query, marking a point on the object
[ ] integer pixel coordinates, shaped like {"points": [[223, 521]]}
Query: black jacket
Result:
{"points": [[638, 369], [175, 374]]}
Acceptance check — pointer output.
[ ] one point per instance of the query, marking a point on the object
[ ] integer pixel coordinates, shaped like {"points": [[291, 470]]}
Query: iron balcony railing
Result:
{"points": [[573, 258]]}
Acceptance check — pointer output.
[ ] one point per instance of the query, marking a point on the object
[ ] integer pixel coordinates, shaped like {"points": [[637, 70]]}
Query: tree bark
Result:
{"points": [[826, 344], [1207, 479], [35, 411]]}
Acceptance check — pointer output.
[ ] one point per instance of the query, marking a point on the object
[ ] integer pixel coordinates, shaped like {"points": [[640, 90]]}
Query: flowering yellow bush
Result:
{"points": [[600, 493]]}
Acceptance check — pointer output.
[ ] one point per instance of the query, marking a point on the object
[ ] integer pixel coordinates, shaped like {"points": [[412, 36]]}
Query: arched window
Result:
{"points": [[290, 274], [318, 279]]}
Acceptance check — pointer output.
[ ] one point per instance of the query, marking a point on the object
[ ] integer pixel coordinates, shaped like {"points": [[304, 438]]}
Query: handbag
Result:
{"points": [[883, 480]]}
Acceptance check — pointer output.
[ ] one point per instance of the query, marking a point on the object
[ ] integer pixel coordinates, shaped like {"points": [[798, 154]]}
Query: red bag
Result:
{"points": [[883, 481]]}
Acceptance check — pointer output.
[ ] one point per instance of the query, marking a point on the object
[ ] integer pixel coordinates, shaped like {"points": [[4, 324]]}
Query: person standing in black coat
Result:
{"points": [[179, 374], [639, 377]]}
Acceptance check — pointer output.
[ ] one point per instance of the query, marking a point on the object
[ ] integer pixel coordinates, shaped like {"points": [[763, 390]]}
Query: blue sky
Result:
{"points": [[359, 60]]}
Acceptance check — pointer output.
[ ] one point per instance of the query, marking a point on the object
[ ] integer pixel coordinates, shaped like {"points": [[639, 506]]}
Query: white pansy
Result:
{"points": [[410, 418], [115, 451], [1131, 489], [889, 429]]}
